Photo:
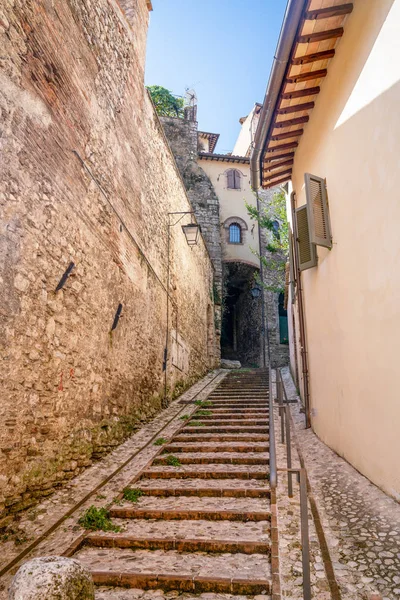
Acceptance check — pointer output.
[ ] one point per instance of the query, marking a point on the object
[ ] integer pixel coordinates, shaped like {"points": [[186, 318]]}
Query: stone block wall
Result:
{"points": [[86, 177], [182, 137]]}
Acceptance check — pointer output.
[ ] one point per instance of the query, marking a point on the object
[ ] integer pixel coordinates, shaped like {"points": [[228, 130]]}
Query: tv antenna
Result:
{"points": [[190, 97]]}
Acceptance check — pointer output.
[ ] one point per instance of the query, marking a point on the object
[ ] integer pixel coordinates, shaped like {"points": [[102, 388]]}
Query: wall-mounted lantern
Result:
{"points": [[191, 232], [255, 292]]}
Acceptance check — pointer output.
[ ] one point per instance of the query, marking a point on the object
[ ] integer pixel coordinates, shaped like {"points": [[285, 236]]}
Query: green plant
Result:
{"points": [[166, 104], [196, 424], [97, 518], [160, 441], [173, 461], [132, 495], [203, 403], [185, 417], [203, 413]]}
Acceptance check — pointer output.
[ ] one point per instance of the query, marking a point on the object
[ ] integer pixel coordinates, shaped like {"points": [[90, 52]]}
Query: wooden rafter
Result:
{"points": [[296, 108], [319, 36], [291, 122], [286, 135], [312, 91], [329, 11], [283, 163], [307, 76], [273, 183], [310, 58], [283, 147], [278, 175], [269, 159]]}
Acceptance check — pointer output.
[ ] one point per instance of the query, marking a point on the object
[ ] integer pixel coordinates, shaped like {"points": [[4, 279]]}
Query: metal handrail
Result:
{"points": [[273, 474], [284, 411]]}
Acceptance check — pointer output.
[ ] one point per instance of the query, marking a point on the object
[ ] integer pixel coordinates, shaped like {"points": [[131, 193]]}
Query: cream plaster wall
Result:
{"points": [[352, 297], [232, 204]]}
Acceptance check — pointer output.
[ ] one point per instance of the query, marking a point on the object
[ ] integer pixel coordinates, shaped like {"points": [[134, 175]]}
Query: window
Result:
{"points": [[235, 234], [233, 179]]}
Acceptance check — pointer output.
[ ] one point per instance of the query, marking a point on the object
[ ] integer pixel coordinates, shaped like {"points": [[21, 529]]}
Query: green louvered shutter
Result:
{"points": [[305, 248], [318, 211]]}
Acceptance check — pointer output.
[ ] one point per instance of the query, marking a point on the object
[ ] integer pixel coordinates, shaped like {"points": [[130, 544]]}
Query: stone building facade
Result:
{"points": [[88, 180], [218, 205]]}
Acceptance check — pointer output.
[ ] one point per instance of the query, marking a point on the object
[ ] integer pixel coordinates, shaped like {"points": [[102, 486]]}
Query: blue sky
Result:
{"points": [[221, 48]]}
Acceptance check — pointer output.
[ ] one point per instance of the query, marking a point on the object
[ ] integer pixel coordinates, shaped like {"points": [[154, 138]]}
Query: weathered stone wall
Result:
{"points": [[87, 177], [182, 137]]}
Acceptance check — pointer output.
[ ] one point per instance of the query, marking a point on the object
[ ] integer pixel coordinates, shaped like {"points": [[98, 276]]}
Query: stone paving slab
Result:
{"points": [[148, 484], [193, 503], [158, 561], [104, 593], [215, 530], [361, 523], [130, 457]]}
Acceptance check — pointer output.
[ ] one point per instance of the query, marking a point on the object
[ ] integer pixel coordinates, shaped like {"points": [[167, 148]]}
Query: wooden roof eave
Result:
{"points": [[319, 30]]}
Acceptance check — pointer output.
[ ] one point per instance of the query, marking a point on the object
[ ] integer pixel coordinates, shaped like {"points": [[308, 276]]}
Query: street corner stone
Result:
{"points": [[230, 364], [52, 578]]}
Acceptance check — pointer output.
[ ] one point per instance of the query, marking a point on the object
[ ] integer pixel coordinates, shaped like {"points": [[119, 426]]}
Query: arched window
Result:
{"points": [[233, 179], [235, 234]]}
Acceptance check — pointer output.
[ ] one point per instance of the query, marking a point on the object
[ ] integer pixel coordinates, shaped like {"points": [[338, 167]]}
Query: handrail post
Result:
{"points": [[288, 450], [273, 476], [305, 543]]}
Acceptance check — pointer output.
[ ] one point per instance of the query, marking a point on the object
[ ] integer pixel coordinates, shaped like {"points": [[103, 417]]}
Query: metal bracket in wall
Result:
{"points": [[117, 317], [64, 278]]}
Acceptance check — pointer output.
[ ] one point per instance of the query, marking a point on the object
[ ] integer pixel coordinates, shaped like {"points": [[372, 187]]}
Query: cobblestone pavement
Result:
{"points": [[361, 524], [93, 486]]}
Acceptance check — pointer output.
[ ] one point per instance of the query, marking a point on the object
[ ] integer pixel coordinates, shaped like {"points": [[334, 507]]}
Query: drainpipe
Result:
{"points": [[302, 329], [264, 328], [287, 36]]}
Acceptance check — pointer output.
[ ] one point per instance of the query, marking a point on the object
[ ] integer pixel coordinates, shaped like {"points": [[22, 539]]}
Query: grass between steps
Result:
{"points": [[173, 461], [98, 518], [131, 494]]}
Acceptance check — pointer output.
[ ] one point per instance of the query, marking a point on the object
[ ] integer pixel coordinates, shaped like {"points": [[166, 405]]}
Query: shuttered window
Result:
{"points": [[305, 248], [233, 179], [235, 234], [318, 211]]}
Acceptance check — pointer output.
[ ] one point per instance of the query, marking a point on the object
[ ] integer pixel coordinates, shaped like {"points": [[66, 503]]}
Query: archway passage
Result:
{"points": [[241, 336]]}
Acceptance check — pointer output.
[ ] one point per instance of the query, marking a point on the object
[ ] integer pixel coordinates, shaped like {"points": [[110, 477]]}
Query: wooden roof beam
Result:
{"points": [[310, 58], [329, 11], [319, 36], [283, 147], [291, 122], [296, 108], [283, 163], [267, 185], [286, 135], [280, 174], [306, 76], [269, 159], [312, 91]]}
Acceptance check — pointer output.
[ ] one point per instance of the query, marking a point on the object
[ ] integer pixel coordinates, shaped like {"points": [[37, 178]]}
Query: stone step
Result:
{"points": [[198, 458], [190, 514], [220, 437], [199, 505], [187, 536], [221, 447], [211, 471], [226, 429], [236, 412], [172, 570], [230, 421], [119, 593], [228, 488]]}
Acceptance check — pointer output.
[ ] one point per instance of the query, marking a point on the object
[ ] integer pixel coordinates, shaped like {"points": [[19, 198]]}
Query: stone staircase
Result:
{"points": [[204, 525]]}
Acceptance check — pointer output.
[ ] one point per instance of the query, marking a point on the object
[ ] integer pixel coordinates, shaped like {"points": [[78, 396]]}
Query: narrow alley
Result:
{"points": [[199, 309]]}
